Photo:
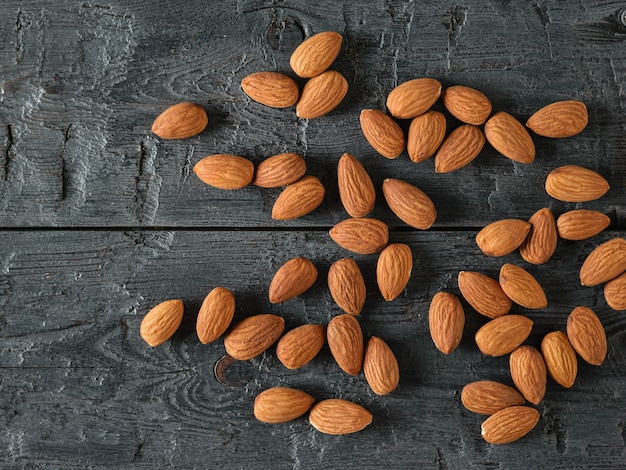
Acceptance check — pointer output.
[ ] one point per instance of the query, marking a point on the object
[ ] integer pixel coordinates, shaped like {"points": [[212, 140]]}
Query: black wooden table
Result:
{"points": [[101, 220]]}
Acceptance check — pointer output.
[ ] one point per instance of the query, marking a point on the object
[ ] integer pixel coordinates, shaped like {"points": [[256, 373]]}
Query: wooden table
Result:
{"points": [[101, 220]]}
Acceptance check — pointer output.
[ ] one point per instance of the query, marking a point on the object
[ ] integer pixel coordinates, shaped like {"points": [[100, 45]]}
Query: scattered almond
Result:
{"points": [[337, 416], [502, 335], [572, 183], [581, 224], [180, 121], [484, 294], [161, 322], [279, 170], [502, 237], [347, 286], [509, 137], [321, 94], [299, 198], [509, 424], [560, 119], [409, 203], [586, 335], [292, 279], [345, 340], [281, 404], [560, 358], [382, 132], [615, 292], [315, 54], [487, 397], [467, 104], [528, 371], [356, 190], [426, 133], [461, 146], [253, 335], [380, 367], [604, 263], [361, 235], [299, 346], [225, 171], [271, 89], [446, 320], [216, 313], [541, 241], [393, 270], [412, 98], [522, 287]]}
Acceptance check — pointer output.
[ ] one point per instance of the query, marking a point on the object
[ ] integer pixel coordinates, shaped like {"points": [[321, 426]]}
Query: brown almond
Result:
{"points": [[321, 94], [461, 146], [522, 287], [382, 133], [337, 416], [581, 224], [586, 335], [271, 89], [216, 313], [487, 397], [541, 241], [509, 137], [180, 121], [299, 198], [393, 270], [347, 286], [409, 203], [484, 294], [509, 424], [225, 171], [345, 340], [615, 293], [412, 98], [356, 190], [380, 367], [253, 335], [361, 235], [502, 237], [315, 54], [502, 335], [467, 104], [281, 404], [426, 133], [573, 183], [446, 320], [299, 346], [559, 119], [560, 358], [292, 279], [161, 322], [528, 371], [604, 263], [279, 170]]}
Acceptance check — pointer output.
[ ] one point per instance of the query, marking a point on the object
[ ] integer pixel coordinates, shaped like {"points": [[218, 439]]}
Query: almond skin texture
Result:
{"points": [[509, 137], [409, 203], [279, 170], [509, 424], [337, 416], [412, 98], [356, 190], [347, 286], [180, 121], [253, 335], [572, 183], [361, 235], [560, 358], [393, 270], [502, 335], [380, 367], [292, 279], [467, 104], [586, 335], [604, 263], [528, 371], [560, 119], [281, 404], [522, 287], [446, 320], [315, 54], [299, 346], [461, 146], [216, 313], [225, 171], [502, 237], [299, 199], [484, 294], [581, 224], [271, 89], [345, 340], [615, 293], [541, 241], [426, 133], [382, 132], [487, 397], [321, 94], [161, 322]]}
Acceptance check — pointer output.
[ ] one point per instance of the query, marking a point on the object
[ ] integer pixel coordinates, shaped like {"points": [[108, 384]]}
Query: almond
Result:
{"points": [[581, 224], [509, 137], [356, 189], [461, 146], [446, 320], [409, 203], [279, 170], [528, 371], [161, 322], [615, 293], [383, 133], [522, 287], [380, 367], [509, 424], [604, 263], [502, 237], [321, 94], [467, 104], [560, 119], [271, 89], [337, 416], [299, 346], [281, 404], [413, 98], [361, 235], [487, 397], [560, 358], [345, 340], [393, 270], [253, 335], [180, 121], [292, 279], [225, 171], [299, 198], [216, 313], [586, 335], [315, 54], [502, 335], [572, 183], [426, 133], [484, 294], [541, 241], [347, 286]]}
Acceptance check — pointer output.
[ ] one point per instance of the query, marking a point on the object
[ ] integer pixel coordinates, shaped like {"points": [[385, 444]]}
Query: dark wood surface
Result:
{"points": [[101, 220]]}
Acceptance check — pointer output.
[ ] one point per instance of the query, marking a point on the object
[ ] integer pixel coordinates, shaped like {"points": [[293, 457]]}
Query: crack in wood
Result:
{"points": [[147, 183], [9, 153]]}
